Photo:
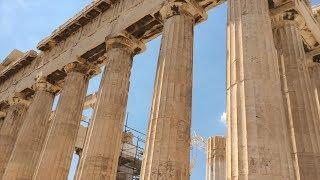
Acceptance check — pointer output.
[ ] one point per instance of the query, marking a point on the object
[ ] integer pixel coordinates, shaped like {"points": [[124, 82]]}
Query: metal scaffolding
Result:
{"points": [[131, 154]]}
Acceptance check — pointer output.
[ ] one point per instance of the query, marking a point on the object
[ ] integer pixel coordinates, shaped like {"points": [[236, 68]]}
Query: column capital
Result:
{"points": [[82, 66], [43, 85], [125, 40], [177, 7], [287, 18], [18, 99]]}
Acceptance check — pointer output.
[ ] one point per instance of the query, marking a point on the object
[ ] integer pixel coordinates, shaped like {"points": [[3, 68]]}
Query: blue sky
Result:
{"points": [[24, 23]]}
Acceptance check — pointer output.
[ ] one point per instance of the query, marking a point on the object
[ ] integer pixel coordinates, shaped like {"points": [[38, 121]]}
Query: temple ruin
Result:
{"points": [[273, 101]]}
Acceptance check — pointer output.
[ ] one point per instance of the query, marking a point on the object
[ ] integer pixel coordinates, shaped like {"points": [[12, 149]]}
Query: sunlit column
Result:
{"points": [[57, 154], [216, 158], [102, 148], [167, 152], [11, 127], [300, 105], [257, 142], [29, 143], [314, 71]]}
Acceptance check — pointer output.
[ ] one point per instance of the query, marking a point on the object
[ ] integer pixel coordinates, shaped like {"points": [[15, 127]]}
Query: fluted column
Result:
{"points": [[102, 148], [216, 158], [26, 152], [257, 142], [10, 129], [57, 154], [314, 71], [167, 152], [300, 106]]}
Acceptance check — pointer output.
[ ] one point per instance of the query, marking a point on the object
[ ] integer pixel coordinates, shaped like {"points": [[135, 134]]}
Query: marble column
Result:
{"points": [[314, 71], [300, 105], [167, 151], [257, 140], [57, 154], [29, 143], [10, 129], [102, 148], [216, 158]]}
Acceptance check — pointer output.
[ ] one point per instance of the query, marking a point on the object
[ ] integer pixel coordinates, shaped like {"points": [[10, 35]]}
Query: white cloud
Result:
{"points": [[223, 118]]}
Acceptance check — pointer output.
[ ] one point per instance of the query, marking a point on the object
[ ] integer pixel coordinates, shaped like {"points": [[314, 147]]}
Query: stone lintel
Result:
{"points": [[89, 12], [76, 22], [19, 98], [16, 62], [58, 59], [43, 85], [280, 7]]}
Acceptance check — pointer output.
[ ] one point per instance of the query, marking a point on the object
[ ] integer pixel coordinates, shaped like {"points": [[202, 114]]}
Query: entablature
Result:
{"points": [[308, 24], [15, 65], [74, 40], [81, 19]]}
